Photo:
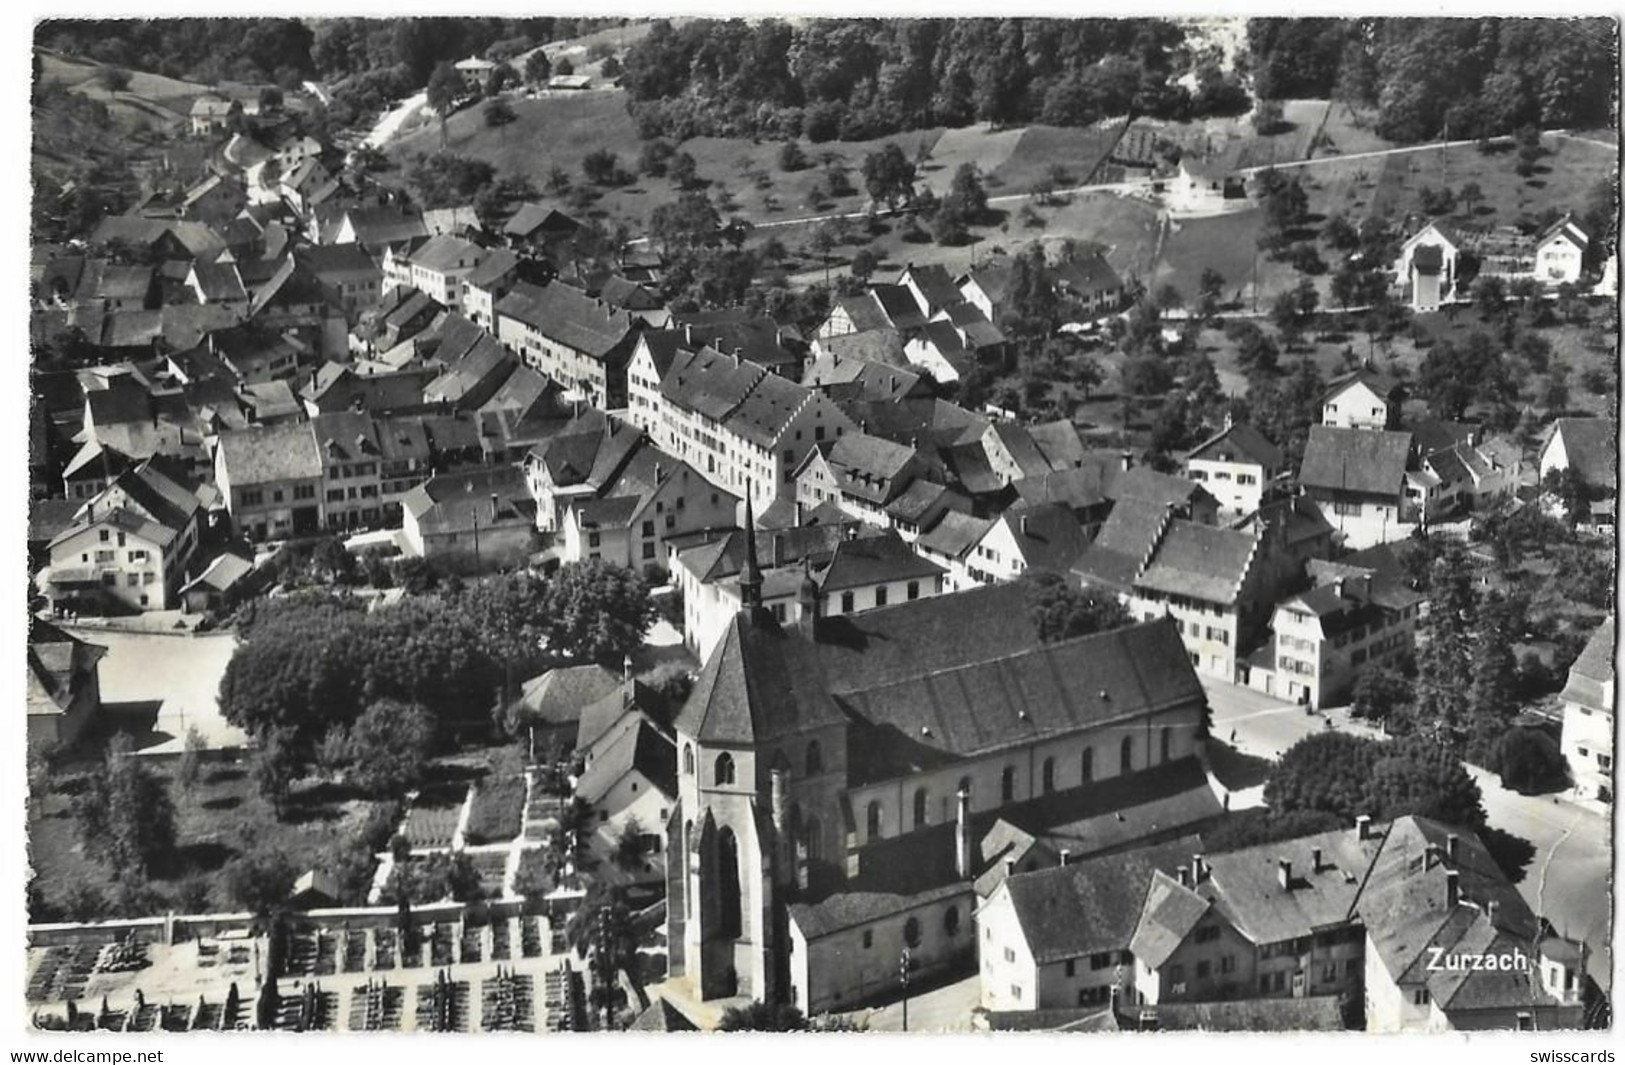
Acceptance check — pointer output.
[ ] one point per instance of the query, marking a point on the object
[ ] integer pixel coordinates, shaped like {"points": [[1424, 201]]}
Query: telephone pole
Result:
{"points": [[903, 967]]}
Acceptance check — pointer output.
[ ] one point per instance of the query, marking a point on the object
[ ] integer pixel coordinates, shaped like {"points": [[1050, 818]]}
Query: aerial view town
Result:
{"points": [[967, 525]]}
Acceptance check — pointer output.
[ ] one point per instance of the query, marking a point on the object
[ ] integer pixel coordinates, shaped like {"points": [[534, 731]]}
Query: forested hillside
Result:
{"points": [[1479, 77]]}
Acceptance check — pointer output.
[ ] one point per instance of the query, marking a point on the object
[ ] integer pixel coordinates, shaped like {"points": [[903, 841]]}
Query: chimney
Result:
{"points": [[1284, 873], [1009, 868], [1337, 587], [1198, 868], [1066, 856], [1024, 525], [962, 859], [1452, 888], [1184, 875], [657, 473], [1314, 858], [1362, 826], [1450, 847], [797, 505], [1489, 911]]}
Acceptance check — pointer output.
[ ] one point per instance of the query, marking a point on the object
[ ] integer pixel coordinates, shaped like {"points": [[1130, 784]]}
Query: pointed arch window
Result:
{"points": [[815, 758], [724, 772], [920, 801], [688, 758], [874, 820]]}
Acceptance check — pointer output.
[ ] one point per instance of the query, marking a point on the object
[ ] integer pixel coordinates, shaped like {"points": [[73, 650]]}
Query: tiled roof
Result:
{"points": [[1169, 913], [732, 330], [559, 696], [897, 303], [1047, 535], [1059, 443], [642, 749], [1239, 443], [269, 454], [1590, 444], [375, 227], [220, 281], [917, 500], [709, 382], [883, 346], [866, 466], [457, 502], [1090, 906], [768, 409], [1246, 884], [1591, 677], [760, 683], [1370, 461], [865, 561], [475, 376], [864, 312], [1087, 275], [446, 252], [1152, 486], [1380, 384], [1021, 447], [955, 534], [494, 267], [569, 316], [1124, 544], [1199, 561], [985, 704], [221, 574], [534, 216]]}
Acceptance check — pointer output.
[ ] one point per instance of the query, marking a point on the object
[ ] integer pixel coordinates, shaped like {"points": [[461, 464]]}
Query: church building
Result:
{"points": [[847, 786]]}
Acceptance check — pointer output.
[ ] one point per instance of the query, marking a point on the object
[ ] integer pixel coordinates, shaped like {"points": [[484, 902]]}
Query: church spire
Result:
{"points": [[750, 579]]}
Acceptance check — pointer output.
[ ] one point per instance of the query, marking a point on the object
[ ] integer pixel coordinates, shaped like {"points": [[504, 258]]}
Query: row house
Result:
{"points": [[576, 340], [350, 277], [1358, 477], [1354, 618], [742, 428], [952, 543], [1217, 584], [472, 521], [1044, 537], [483, 286], [860, 473], [1346, 914], [271, 480], [651, 499], [437, 266], [129, 547]]}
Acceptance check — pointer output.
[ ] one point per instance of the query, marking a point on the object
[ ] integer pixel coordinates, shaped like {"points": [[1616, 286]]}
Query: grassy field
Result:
{"points": [[988, 149], [1347, 132], [1077, 151], [217, 818], [1236, 136], [1226, 243], [1390, 187]]}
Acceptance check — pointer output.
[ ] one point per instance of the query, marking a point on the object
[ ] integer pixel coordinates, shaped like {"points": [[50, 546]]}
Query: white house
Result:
{"points": [[435, 268], [1560, 253], [1358, 478], [1588, 716], [1428, 264], [1363, 399], [1236, 465]]}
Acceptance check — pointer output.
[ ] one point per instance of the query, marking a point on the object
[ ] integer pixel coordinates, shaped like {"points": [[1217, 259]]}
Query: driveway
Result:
{"points": [[179, 674], [1567, 881]]}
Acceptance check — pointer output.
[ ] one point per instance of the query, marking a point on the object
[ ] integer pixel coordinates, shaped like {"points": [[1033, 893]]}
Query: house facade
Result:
{"points": [[1237, 466], [270, 478], [1357, 476], [1588, 717]]}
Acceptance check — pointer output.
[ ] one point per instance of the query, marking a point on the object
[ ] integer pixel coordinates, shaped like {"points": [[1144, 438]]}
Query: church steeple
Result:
{"points": [[750, 578]]}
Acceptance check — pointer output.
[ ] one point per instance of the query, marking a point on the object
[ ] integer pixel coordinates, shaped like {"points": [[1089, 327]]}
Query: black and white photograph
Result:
{"points": [[1089, 523]]}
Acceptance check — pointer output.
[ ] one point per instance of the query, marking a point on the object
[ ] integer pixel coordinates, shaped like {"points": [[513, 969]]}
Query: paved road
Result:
{"points": [[181, 672], [392, 121], [942, 1009], [1568, 879]]}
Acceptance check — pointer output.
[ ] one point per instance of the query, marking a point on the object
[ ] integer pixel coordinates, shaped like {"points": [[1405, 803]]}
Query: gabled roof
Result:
{"points": [[641, 749], [955, 534], [1146, 485], [1451, 235], [1370, 461], [865, 313], [1124, 545], [1090, 906], [868, 466], [1381, 385], [1086, 275], [1591, 677], [1047, 535], [1058, 441], [1021, 448], [456, 502], [1590, 444], [495, 267], [1239, 442], [898, 305], [375, 227], [1171, 911], [768, 409], [760, 683], [534, 217], [980, 705], [568, 316], [221, 574], [1199, 561], [446, 252], [1567, 226], [59, 667], [934, 284], [267, 454], [709, 383], [864, 561]]}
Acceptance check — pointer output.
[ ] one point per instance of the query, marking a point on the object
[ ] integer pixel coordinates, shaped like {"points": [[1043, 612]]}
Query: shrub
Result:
{"points": [[499, 811], [1531, 762]]}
